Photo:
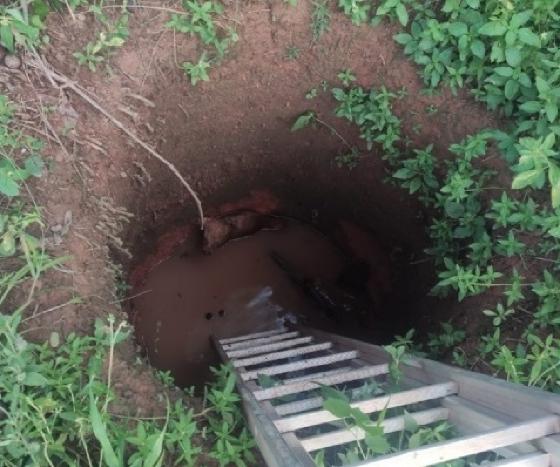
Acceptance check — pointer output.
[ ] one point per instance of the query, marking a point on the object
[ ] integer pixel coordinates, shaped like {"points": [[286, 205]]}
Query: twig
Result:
{"points": [[334, 132], [65, 82], [139, 294], [72, 301]]}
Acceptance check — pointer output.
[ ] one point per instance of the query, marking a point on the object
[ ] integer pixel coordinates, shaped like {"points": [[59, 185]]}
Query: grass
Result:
{"points": [[472, 231], [58, 406]]}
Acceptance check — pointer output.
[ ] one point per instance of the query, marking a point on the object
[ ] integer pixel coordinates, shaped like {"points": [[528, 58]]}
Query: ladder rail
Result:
{"points": [[518, 423]]}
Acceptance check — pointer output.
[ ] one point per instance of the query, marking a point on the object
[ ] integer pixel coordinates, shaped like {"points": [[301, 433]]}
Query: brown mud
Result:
{"points": [[239, 289], [228, 136]]}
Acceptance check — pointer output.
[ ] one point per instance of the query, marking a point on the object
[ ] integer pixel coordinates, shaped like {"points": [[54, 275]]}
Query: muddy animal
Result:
{"points": [[338, 304], [367, 250], [220, 230]]}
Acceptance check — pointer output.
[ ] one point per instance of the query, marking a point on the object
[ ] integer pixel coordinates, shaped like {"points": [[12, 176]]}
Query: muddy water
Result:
{"points": [[238, 289]]}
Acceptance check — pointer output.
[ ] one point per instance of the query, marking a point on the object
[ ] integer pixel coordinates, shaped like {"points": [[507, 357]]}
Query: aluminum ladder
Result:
{"points": [[520, 424]]}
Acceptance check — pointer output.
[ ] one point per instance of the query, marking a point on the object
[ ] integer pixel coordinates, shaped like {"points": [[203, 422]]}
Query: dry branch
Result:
{"points": [[65, 82]]}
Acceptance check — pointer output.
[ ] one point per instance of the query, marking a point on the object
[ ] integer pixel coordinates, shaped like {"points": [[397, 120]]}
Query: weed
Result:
{"points": [[18, 28], [447, 339], [357, 10], [320, 19], [499, 315], [431, 109], [200, 21], [197, 72], [292, 52], [346, 77], [311, 94], [112, 37], [349, 160]]}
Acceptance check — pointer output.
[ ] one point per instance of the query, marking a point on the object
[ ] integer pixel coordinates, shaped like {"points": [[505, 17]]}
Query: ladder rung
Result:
{"points": [[537, 459], [319, 374], [262, 340], [301, 365], [289, 408], [390, 425], [272, 332], [294, 388], [468, 445], [268, 348], [376, 404], [282, 355]]}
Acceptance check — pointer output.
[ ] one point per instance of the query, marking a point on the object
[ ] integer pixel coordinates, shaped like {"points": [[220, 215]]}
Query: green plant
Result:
{"points": [[357, 10], [346, 77], [537, 159], [60, 408], [466, 280], [499, 315], [201, 21], [446, 339], [17, 27], [349, 160], [292, 52], [197, 72], [395, 8], [113, 37], [417, 174], [312, 94], [320, 19], [374, 440], [372, 112], [14, 232]]}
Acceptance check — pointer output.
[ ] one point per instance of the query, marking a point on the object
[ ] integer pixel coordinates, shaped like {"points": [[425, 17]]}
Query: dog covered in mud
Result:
{"points": [[220, 230]]}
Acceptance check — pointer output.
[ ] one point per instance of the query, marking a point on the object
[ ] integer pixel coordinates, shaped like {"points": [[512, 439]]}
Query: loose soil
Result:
{"points": [[107, 204]]}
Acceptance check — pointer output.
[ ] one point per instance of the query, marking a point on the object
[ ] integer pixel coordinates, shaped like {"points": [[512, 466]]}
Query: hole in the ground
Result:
{"points": [[261, 262]]}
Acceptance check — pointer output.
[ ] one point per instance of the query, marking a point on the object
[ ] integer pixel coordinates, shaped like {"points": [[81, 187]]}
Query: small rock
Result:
{"points": [[12, 61], [3, 52]]}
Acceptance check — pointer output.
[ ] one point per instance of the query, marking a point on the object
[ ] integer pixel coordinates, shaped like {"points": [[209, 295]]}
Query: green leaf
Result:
{"points": [[513, 56], [8, 185], [7, 38], [554, 179], [403, 173], [454, 210], [504, 71], [519, 19], [525, 179], [492, 28], [410, 424], [511, 89], [34, 166], [7, 244], [100, 433], [402, 14], [458, 28], [54, 339], [478, 49], [330, 393], [529, 37], [155, 456], [338, 407], [551, 110], [531, 107], [303, 121], [402, 38], [35, 379], [378, 443]]}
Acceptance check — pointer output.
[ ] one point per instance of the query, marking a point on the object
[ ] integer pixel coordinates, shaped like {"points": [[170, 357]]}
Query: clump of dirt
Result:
{"points": [[228, 136]]}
